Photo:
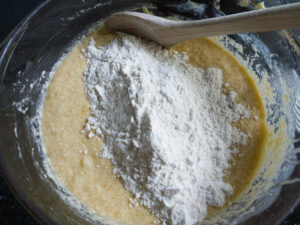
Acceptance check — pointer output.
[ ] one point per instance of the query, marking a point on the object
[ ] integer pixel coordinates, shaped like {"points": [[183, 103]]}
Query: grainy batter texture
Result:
{"points": [[77, 160]]}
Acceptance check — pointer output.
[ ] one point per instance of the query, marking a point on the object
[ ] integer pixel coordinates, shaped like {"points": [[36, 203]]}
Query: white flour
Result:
{"points": [[166, 126]]}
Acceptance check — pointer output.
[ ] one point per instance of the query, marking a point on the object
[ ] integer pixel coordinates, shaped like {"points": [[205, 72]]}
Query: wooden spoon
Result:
{"points": [[168, 33]]}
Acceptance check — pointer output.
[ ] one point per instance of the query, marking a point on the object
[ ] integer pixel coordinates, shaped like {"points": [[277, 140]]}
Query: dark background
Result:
{"points": [[11, 212]]}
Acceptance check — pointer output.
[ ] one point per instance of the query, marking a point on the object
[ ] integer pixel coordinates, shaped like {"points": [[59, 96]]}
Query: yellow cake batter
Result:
{"points": [[77, 161]]}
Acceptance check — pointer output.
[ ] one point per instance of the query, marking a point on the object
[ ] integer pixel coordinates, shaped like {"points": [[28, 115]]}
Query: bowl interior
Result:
{"points": [[30, 52]]}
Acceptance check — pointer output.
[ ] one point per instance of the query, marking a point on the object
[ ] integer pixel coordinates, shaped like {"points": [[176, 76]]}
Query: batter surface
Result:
{"points": [[77, 160]]}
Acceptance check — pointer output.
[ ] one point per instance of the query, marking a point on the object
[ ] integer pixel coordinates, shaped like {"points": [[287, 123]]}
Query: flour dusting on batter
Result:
{"points": [[166, 126]]}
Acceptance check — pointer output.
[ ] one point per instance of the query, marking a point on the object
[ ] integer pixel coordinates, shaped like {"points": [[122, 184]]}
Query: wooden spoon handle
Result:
{"points": [[274, 18]]}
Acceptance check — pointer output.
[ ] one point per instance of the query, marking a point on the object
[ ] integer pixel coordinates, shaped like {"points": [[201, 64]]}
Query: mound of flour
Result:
{"points": [[166, 126]]}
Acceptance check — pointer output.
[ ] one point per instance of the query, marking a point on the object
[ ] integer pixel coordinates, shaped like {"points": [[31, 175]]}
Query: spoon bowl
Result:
{"points": [[168, 32]]}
